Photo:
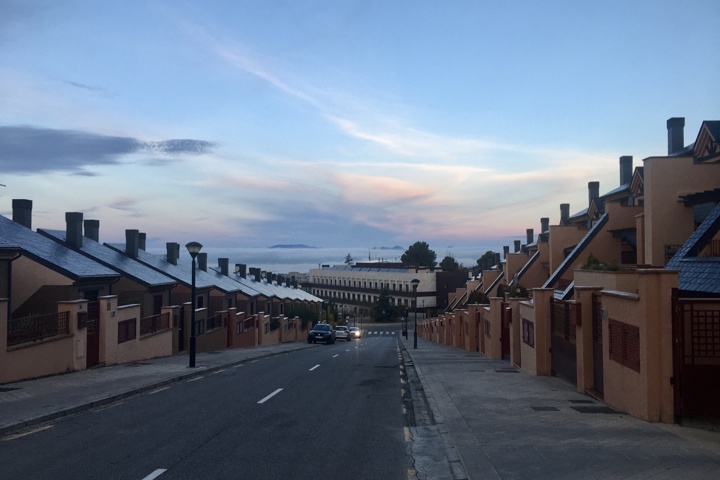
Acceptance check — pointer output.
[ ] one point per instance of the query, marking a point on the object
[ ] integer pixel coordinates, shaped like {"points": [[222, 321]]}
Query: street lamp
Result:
{"points": [[415, 283], [193, 248]]}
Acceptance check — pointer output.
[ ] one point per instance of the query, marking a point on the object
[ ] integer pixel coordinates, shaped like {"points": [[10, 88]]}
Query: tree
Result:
{"points": [[449, 264], [306, 314], [384, 310], [487, 259], [419, 253], [348, 260]]}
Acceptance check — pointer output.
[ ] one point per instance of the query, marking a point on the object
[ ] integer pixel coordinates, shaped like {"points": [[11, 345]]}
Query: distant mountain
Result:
{"points": [[292, 246], [396, 247]]}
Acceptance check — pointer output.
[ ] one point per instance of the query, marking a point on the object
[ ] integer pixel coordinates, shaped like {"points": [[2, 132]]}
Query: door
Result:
{"points": [[598, 378], [93, 334], [563, 318], [506, 313]]}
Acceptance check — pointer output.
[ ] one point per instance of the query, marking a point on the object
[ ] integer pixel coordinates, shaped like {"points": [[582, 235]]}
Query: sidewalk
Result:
{"points": [[497, 422], [27, 403]]}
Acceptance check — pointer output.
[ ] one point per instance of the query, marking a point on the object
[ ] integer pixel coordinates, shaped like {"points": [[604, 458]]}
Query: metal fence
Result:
{"points": [[37, 327], [154, 323]]}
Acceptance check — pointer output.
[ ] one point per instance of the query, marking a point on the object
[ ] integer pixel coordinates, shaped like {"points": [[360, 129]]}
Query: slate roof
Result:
{"points": [[255, 288], [115, 260], [50, 253], [182, 273], [560, 271], [699, 274]]}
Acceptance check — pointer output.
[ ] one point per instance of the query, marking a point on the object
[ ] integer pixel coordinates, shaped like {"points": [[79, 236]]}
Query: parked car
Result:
{"points": [[322, 332], [342, 332], [355, 332]]}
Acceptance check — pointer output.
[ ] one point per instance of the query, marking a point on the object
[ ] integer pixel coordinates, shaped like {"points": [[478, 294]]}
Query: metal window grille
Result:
{"points": [[624, 344], [127, 330], [37, 327], [154, 324], [528, 332]]}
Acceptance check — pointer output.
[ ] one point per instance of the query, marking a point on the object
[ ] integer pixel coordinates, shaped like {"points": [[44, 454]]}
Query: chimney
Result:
{"points": [[676, 142], [142, 240], [224, 264], [73, 229], [530, 233], [268, 277], [170, 252], [92, 229], [564, 213], [593, 191], [544, 224], [241, 269], [626, 169], [202, 261], [517, 246], [497, 260], [506, 251], [22, 212], [131, 243]]}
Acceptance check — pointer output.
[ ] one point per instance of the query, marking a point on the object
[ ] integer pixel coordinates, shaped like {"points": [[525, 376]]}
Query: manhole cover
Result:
{"points": [[594, 409], [545, 409]]}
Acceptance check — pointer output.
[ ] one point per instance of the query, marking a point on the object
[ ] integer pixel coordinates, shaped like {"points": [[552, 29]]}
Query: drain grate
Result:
{"points": [[581, 401], [545, 409], [594, 409], [477, 370], [136, 364], [507, 370]]}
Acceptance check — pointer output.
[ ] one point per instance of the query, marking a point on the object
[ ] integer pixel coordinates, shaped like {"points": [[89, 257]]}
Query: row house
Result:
{"points": [[70, 302], [624, 296]]}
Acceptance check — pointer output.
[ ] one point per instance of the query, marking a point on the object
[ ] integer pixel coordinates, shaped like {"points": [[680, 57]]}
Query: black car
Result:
{"points": [[322, 332]]}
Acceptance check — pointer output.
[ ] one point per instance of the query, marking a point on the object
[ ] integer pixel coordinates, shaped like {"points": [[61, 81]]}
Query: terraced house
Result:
{"points": [[69, 302], [623, 297]]}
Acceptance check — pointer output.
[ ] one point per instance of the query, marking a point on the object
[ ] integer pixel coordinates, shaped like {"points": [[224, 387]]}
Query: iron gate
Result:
{"points": [[696, 355], [563, 318], [93, 334], [597, 335]]}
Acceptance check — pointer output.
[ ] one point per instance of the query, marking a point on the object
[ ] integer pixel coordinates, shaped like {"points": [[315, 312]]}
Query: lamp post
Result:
{"points": [[415, 283], [193, 248]]}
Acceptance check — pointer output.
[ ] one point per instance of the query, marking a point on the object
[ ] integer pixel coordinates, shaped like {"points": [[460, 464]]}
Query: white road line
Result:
{"points": [[336, 355], [313, 368], [157, 390], [271, 395], [28, 432], [195, 379], [238, 366], [155, 474], [218, 371]]}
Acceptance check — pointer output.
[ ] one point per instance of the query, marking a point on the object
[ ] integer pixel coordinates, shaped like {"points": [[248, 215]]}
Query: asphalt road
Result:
{"points": [[332, 411]]}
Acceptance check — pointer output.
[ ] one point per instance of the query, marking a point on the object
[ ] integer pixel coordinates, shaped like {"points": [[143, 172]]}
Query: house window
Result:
{"points": [[126, 330], [624, 344], [528, 333]]}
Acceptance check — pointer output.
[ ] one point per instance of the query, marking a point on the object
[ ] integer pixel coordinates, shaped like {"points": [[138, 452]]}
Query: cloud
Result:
{"points": [[26, 149]]}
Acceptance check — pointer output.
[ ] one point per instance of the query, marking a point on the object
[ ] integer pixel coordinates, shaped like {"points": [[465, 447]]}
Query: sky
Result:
{"points": [[340, 123]]}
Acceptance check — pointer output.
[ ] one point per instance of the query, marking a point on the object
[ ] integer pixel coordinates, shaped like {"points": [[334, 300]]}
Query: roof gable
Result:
{"points": [[707, 146], [50, 253]]}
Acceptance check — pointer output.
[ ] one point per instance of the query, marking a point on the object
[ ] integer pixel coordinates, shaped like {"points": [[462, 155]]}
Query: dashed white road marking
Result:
{"points": [[155, 474], [336, 355], [158, 390], [313, 368], [195, 379], [27, 432], [271, 395]]}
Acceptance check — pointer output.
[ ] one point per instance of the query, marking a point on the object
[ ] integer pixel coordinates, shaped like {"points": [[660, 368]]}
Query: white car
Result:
{"points": [[355, 332], [341, 333]]}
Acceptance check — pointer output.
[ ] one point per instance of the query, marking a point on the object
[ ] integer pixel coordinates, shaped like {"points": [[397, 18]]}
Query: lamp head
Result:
{"points": [[193, 248], [415, 282]]}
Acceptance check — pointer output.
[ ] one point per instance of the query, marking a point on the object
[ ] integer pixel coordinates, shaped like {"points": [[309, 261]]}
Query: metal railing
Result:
{"points": [[154, 323], [37, 327], [211, 323]]}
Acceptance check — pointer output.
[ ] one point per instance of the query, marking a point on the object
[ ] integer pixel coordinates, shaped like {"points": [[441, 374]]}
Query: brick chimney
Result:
{"points": [[142, 240], [224, 264], [92, 229], [506, 251], [73, 229], [517, 246], [530, 235], [131, 243], [626, 169], [564, 213], [676, 133], [497, 260], [202, 261], [544, 224], [241, 269], [172, 252], [22, 212], [593, 191]]}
